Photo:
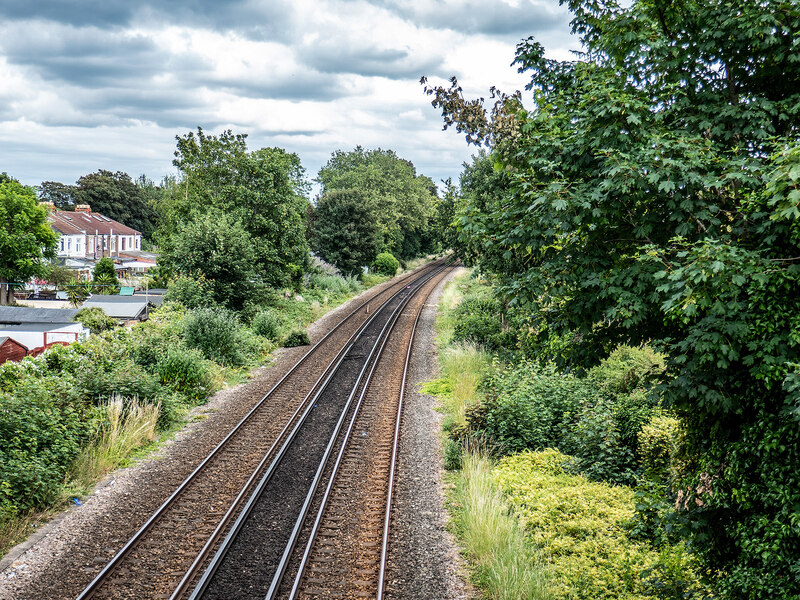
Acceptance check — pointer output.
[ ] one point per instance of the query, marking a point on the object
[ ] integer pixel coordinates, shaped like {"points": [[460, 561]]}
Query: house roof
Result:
{"points": [[4, 339], [40, 327], [13, 315], [68, 222], [118, 307]]}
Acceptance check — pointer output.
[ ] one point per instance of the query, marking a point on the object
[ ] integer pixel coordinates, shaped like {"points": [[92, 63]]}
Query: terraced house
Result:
{"points": [[89, 235]]}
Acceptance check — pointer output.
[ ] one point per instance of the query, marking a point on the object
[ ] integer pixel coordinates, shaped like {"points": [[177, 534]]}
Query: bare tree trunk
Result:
{"points": [[5, 290]]}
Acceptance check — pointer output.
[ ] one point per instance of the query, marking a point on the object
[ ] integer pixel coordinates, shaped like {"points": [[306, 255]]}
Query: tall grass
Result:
{"points": [[505, 566], [128, 426], [462, 366]]}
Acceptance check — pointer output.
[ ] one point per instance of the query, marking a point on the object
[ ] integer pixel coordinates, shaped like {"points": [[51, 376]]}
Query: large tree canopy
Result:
{"points": [[403, 202], [115, 195], [216, 247], [264, 190], [26, 238], [342, 230], [654, 194]]}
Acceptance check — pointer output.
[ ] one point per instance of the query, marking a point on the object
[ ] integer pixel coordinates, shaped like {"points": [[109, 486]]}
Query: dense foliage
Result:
{"points": [[399, 204], [114, 195], [26, 238], [215, 251], [51, 405], [263, 190], [653, 196], [343, 230], [385, 264]]}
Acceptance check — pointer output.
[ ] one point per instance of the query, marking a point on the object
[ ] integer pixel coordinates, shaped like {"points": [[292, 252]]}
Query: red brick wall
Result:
{"points": [[11, 350]]}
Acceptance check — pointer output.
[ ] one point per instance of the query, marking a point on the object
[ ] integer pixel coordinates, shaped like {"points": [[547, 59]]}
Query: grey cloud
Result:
{"points": [[336, 56], [259, 20], [489, 18]]}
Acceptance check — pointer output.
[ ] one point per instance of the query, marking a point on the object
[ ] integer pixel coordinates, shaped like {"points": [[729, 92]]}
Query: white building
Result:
{"points": [[89, 235]]}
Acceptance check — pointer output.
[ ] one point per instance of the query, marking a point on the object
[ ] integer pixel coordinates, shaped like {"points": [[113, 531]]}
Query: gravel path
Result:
{"points": [[427, 566]]}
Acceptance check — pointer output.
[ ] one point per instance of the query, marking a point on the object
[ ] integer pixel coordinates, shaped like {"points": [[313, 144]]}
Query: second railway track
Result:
{"points": [[189, 525]]}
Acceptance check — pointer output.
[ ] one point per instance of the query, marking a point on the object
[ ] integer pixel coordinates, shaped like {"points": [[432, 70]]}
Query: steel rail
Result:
{"points": [[329, 488], [94, 585], [208, 575]]}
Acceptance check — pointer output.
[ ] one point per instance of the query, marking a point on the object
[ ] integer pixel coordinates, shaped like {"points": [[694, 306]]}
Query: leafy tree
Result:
{"points": [[116, 196], [402, 200], [342, 230], [263, 189], [26, 239], [214, 247], [653, 195], [62, 195], [104, 276]]}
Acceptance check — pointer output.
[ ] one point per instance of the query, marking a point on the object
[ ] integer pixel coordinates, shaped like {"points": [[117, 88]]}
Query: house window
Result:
{"points": [[61, 246], [69, 244], [122, 241]]}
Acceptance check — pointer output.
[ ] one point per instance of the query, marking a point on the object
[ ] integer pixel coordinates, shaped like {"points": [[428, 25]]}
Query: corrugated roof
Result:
{"points": [[131, 308], [24, 314]]}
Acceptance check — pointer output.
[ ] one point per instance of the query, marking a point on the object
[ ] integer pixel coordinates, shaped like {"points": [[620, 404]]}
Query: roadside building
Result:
{"points": [[89, 235], [11, 349], [39, 328], [125, 308]]}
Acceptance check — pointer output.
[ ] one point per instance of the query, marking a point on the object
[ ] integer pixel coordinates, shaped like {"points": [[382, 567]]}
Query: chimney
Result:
{"points": [[85, 208], [48, 205]]}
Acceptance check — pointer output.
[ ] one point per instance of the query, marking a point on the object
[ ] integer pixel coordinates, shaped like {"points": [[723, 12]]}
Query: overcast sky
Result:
{"points": [[91, 84]]}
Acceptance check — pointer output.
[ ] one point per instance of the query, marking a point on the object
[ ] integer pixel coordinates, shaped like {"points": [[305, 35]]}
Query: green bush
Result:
{"points": [[528, 407], [41, 435], [582, 527], [385, 264], [335, 284], [596, 442], [216, 333], [297, 337], [628, 368], [184, 370], [191, 292], [477, 320], [95, 319], [124, 378], [659, 440], [267, 324]]}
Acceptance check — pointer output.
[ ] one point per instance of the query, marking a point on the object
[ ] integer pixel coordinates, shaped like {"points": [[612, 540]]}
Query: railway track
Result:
{"points": [[185, 531]]}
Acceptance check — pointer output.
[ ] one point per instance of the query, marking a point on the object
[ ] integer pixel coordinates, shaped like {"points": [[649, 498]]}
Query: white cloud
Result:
{"points": [[110, 86]]}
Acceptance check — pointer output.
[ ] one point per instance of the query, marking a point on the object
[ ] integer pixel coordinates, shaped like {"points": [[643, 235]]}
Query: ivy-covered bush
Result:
{"points": [[297, 337], [216, 332], [267, 324], [385, 264], [95, 319]]}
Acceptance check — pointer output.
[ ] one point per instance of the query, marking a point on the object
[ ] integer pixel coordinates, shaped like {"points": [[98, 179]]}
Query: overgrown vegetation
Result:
{"points": [[74, 413], [649, 194], [584, 461]]}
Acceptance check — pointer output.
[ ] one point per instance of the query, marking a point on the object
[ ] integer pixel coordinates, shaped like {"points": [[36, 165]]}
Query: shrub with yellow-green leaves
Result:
{"points": [[580, 526]]}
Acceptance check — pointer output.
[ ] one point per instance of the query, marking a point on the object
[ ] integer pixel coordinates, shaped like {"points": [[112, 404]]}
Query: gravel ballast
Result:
{"points": [[424, 559]]}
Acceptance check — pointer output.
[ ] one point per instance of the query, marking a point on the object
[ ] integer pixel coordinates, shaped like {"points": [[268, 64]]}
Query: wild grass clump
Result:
{"points": [[463, 366], [335, 284], [128, 425], [505, 566], [297, 337]]}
